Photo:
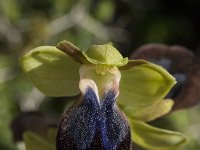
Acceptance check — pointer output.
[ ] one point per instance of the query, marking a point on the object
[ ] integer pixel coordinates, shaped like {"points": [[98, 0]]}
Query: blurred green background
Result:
{"points": [[25, 24]]}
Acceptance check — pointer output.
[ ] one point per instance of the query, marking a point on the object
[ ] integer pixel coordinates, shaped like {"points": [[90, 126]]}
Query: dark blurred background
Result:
{"points": [[25, 24]]}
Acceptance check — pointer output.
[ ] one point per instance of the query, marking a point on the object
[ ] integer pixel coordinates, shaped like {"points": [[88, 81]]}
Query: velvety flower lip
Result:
{"points": [[94, 124]]}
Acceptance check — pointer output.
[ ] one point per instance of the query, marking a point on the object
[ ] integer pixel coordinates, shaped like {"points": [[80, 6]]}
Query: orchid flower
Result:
{"points": [[118, 97]]}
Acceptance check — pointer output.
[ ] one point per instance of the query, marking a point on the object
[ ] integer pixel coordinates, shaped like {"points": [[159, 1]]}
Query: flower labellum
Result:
{"points": [[93, 123]]}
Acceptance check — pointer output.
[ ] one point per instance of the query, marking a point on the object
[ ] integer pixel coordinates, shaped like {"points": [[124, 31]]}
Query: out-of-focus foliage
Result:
{"points": [[25, 24], [35, 142]]}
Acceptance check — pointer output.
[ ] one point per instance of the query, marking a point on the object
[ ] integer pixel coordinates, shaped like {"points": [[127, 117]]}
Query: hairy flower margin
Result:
{"points": [[139, 86]]}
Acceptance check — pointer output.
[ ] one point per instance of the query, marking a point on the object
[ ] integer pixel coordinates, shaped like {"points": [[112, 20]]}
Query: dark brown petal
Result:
{"points": [[132, 63], [71, 50]]}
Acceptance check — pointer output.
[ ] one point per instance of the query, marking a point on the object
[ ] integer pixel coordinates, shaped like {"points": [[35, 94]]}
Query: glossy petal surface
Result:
{"points": [[144, 84], [154, 138], [52, 71]]}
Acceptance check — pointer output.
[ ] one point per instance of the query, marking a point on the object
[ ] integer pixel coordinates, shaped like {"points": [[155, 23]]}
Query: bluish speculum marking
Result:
{"points": [[94, 125]]}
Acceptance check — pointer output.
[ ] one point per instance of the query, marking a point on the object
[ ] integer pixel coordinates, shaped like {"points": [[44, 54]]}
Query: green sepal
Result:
{"points": [[104, 55], [35, 142], [153, 138], [149, 112], [144, 84], [52, 71]]}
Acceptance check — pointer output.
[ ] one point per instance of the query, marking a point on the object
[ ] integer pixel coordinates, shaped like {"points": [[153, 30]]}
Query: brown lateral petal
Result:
{"points": [[132, 63], [72, 51]]}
